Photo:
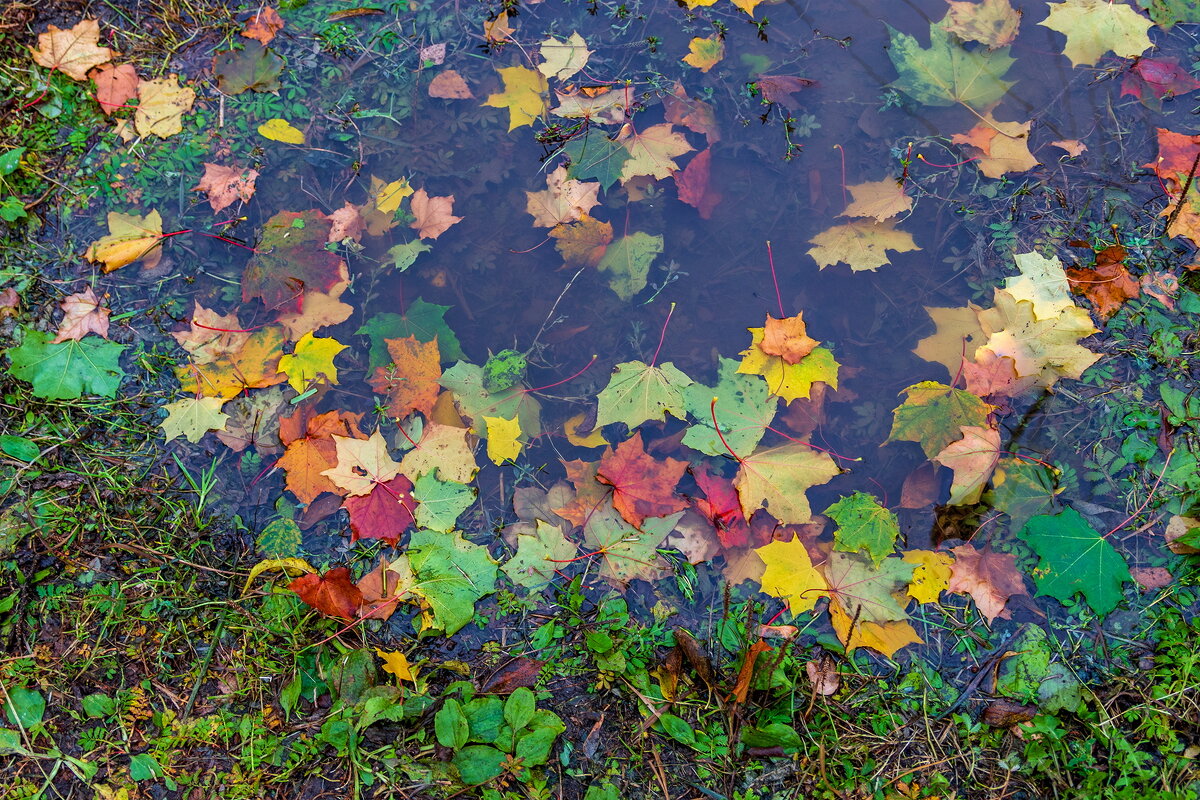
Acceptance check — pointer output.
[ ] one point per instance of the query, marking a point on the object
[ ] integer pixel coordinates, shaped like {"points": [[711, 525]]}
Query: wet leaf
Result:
{"points": [[776, 479], [638, 392], [788, 381], [115, 86], [861, 245], [626, 552], [594, 156], [1153, 79], [652, 151], [396, 663], [693, 184], [311, 362], [562, 59], [877, 199], [991, 22], [503, 439], [280, 130], [333, 593], [226, 185], [130, 238], [67, 370], [563, 200], [1043, 283], [450, 575], [628, 261], [225, 373], [361, 464], [441, 502], [932, 415], [990, 578], [426, 322], [432, 215], [791, 576], [1108, 284], [192, 417], [263, 25], [744, 409], [642, 485], [539, 555], [524, 95], [444, 451], [780, 88], [864, 525], [705, 53], [291, 259], [972, 458], [998, 147], [410, 381], [582, 243], [695, 115], [1095, 27], [254, 68], [1022, 489], [72, 52], [1075, 559], [83, 313], [932, 575], [161, 106], [385, 513], [449, 85], [946, 73], [466, 381], [722, 508]]}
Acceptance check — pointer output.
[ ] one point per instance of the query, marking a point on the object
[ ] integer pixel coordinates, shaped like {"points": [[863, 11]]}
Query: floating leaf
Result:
{"points": [[652, 151], [524, 95], [410, 382], [192, 417], [384, 513], [361, 464], [932, 575], [878, 199], [990, 578], [466, 381], [253, 68], [562, 59], [226, 185], [744, 409], [788, 381], [311, 362], [130, 238], [791, 576], [161, 106], [291, 259], [991, 22], [539, 555], [1075, 559], [861, 245], [705, 53], [638, 392], [945, 73], [642, 485], [563, 200], [628, 261], [1043, 283], [441, 502], [67, 370], [626, 552], [450, 575], [864, 525], [82, 314], [424, 321], [932, 415], [503, 439], [1095, 27], [432, 215], [597, 157], [776, 479], [280, 130], [442, 450]]}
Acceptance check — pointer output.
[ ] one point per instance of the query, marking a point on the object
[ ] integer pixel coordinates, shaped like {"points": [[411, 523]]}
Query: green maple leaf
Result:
{"points": [[638, 392], [1075, 559], [777, 478], [1022, 489], [538, 556], [440, 503], [466, 381], [426, 321], [451, 574], [253, 68], [1169, 13], [596, 157], [627, 552], [745, 407], [946, 73], [932, 415], [864, 525], [867, 590], [628, 261], [67, 370]]}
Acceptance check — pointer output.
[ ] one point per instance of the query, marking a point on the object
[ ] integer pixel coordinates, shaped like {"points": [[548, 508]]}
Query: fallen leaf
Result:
{"points": [[449, 85], [991, 22], [130, 238], [776, 479], [383, 513], [226, 185], [497, 30], [741, 687], [1095, 27], [83, 313], [311, 362], [333, 593], [1075, 559], [932, 575], [861, 245], [538, 557], [562, 59], [192, 417], [310, 455], [524, 95], [946, 73], [252, 68], [642, 485], [253, 366], [562, 201], [790, 575], [990, 578], [972, 458], [705, 53], [72, 52], [933, 415], [517, 673], [1153, 79], [823, 675], [1108, 284], [780, 88], [1073, 147], [115, 86], [410, 381], [280, 130], [432, 215], [432, 55], [263, 25], [693, 184], [161, 106], [291, 259], [999, 147], [695, 115], [638, 392], [361, 463], [878, 199], [863, 525], [443, 450], [652, 151], [396, 663], [788, 381], [787, 338], [628, 261], [582, 243], [1151, 578], [744, 408], [503, 439]]}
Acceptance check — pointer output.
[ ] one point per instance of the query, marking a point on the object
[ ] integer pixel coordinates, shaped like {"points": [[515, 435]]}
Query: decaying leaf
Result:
{"points": [[83, 313], [226, 185], [861, 245], [990, 22], [130, 238], [72, 52], [161, 106], [1095, 27]]}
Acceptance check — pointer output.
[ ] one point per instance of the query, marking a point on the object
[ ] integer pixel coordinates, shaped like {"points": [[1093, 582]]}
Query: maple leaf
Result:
{"points": [[791, 576], [1095, 27], [628, 261], [1108, 284], [83, 313], [410, 382], [385, 512], [589, 494], [789, 381], [291, 259], [72, 52], [253, 68], [253, 366], [957, 339], [744, 409], [606, 107], [864, 525], [161, 106], [642, 486], [990, 578], [1075, 559], [193, 417], [433, 215], [652, 151], [563, 200], [333, 593], [1152, 79], [346, 223], [130, 238], [115, 86], [945, 73], [254, 420], [443, 448], [503, 439], [524, 95], [695, 537], [1073, 147], [466, 381], [780, 88], [878, 199], [211, 335], [538, 556], [932, 415], [638, 392], [787, 338], [449, 574], [396, 663], [695, 115], [1176, 152], [596, 156], [863, 608], [562, 59], [1022, 489], [1043, 283], [748, 6], [311, 362], [441, 502], [990, 375], [862, 245], [318, 310], [991, 22], [722, 508], [67, 369], [627, 551], [226, 185], [497, 29], [932, 575], [972, 458], [280, 130], [309, 456], [704, 53], [361, 463], [999, 147], [1046, 349], [263, 25], [582, 243], [449, 85], [776, 479], [693, 184]]}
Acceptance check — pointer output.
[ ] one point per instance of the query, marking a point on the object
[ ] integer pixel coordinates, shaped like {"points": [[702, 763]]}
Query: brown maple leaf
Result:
{"points": [[432, 215], [72, 52], [263, 25], [226, 185], [411, 380], [82, 314], [694, 187], [989, 577], [1108, 285], [333, 593], [695, 115], [787, 338], [779, 88], [449, 85], [115, 85], [642, 486], [311, 450], [582, 243]]}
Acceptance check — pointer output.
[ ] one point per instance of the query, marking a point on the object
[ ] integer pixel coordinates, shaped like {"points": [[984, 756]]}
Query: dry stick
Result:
{"points": [[1183, 195]]}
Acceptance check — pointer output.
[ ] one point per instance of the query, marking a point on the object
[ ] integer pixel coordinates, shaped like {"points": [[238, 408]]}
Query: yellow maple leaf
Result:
{"points": [[361, 463], [562, 59], [498, 30], [998, 147], [503, 439], [1094, 27], [748, 5], [225, 372], [991, 22], [652, 151], [791, 576], [312, 361], [957, 338], [161, 106], [72, 52], [396, 663], [130, 238], [443, 448], [878, 199], [571, 429], [387, 197], [524, 95], [861, 244], [788, 381], [280, 130], [932, 575], [704, 53], [884, 637], [192, 417]]}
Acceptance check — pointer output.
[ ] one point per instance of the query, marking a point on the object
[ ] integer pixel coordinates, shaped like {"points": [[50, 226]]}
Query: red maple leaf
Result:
{"points": [[721, 507], [642, 487], [385, 512], [1157, 78], [333, 593]]}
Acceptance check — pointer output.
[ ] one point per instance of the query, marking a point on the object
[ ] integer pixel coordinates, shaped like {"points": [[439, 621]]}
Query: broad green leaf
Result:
{"points": [[1075, 559], [596, 157], [281, 538], [67, 370], [466, 381], [440, 502], [678, 729], [485, 715], [638, 392], [625, 551], [451, 574], [19, 447], [946, 73], [519, 708], [426, 321], [745, 407], [450, 725], [25, 707], [1169, 13], [479, 763], [252, 68], [933, 413], [627, 262], [533, 748], [538, 556], [864, 525]]}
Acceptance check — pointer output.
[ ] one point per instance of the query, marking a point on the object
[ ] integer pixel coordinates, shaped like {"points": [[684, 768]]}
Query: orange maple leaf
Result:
{"points": [[411, 381], [787, 338], [642, 486], [432, 215]]}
